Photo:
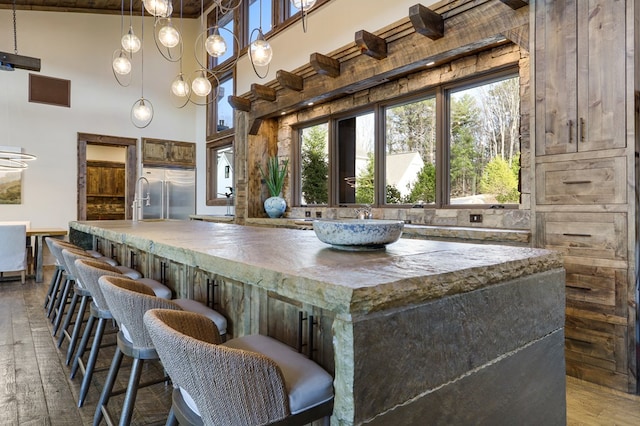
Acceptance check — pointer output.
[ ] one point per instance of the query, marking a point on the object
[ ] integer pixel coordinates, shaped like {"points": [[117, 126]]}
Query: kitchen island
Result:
{"points": [[424, 332]]}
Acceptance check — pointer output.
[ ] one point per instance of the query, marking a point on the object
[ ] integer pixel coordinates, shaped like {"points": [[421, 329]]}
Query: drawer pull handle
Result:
{"points": [[575, 182], [576, 235], [578, 288]]}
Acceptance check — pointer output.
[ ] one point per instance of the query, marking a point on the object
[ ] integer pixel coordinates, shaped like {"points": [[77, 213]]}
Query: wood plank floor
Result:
{"points": [[35, 388]]}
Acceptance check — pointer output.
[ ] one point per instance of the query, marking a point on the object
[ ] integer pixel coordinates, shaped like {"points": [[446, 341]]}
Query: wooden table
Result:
{"points": [[40, 233]]}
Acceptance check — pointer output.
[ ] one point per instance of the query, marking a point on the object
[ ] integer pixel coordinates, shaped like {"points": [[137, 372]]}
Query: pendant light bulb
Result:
{"points": [[303, 4], [122, 64], [168, 35], [180, 87], [215, 44], [131, 42], [158, 8], [260, 51], [142, 111], [201, 85]]}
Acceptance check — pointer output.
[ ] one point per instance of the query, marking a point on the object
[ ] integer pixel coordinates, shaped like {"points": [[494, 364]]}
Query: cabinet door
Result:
{"points": [[556, 98], [601, 74]]}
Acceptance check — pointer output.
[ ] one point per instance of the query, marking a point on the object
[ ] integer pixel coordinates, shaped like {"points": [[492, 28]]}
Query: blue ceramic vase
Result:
{"points": [[275, 206]]}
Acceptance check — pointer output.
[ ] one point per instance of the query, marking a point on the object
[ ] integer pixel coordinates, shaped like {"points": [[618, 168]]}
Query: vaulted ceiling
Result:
{"points": [[190, 8]]}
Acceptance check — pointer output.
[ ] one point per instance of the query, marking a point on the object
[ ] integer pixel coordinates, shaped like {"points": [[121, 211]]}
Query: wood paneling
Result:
{"points": [[160, 152]]}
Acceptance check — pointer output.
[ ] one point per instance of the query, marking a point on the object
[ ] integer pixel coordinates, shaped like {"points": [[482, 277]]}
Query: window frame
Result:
{"points": [[443, 184], [212, 108], [213, 199]]}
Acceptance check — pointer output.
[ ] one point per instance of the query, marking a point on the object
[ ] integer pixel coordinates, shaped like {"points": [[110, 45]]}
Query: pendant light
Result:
{"points": [[130, 42], [142, 110], [158, 8], [121, 61], [303, 6], [14, 160], [260, 52]]}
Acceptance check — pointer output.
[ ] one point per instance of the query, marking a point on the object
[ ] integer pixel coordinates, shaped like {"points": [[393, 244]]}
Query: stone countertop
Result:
{"points": [[295, 264]]}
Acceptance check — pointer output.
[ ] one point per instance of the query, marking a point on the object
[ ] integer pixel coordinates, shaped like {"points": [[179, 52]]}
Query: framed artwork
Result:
{"points": [[10, 187]]}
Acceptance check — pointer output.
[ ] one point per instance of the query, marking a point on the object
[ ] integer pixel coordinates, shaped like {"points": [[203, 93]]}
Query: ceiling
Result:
{"points": [[190, 8]]}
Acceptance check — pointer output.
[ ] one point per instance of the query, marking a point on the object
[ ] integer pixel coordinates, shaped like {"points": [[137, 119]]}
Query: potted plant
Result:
{"points": [[274, 178]]}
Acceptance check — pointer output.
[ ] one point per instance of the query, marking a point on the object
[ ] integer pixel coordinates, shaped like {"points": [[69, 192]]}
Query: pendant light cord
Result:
{"points": [[15, 31]]}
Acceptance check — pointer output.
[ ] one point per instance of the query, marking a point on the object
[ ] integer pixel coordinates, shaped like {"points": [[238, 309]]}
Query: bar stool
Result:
{"points": [[89, 271], [128, 300], [249, 380], [55, 278]]}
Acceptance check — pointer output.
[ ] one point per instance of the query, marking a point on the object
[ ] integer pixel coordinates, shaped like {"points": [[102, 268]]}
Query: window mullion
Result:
{"points": [[442, 152]]}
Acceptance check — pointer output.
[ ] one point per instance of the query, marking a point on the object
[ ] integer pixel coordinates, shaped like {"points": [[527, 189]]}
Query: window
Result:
{"points": [[457, 144], [410, 152], [226, 29], [258, 16], [220, 111], [219, 171]]}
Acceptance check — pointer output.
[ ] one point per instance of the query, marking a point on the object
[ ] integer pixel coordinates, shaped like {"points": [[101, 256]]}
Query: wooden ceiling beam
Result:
{"points": [[20, 61], [426, 22], [515, 4], [290, 80], [263, 92], [238, 103], [371, 45], [325, 65]]}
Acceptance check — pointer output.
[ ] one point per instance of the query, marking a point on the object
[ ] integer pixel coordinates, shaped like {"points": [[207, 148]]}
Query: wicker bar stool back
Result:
{"points": [[221, 384]]}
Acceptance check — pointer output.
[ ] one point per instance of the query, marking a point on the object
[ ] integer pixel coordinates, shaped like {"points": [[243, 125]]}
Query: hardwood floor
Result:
{"points": [[35, 388]]}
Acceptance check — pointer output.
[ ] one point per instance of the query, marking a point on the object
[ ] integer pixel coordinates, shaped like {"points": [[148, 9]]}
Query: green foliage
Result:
{"points": [[393, 195], [424, 189], [275, 175], [499, 179], [315, 166], [365, 192]]}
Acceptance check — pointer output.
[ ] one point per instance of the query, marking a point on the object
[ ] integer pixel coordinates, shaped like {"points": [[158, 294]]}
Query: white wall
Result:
{"points": [[329, 28], [79, 47]]}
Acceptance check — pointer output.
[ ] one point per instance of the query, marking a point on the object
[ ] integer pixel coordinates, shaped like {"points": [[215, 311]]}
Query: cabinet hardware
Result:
{"points": [[113, 250], [581, 130], [98, 244], [211, 292], [575, 182], [301, 319], [580, 341], [132, 259], [311, 345], [570, 124], [572, 287], [576, 235], [163, 273]]}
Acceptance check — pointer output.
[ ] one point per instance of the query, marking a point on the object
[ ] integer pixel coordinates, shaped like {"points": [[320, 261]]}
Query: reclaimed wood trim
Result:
{"points": [[20, 61], [255, 126], [260, 91], [426, 22], [238, 103], [516, 4], [371, 45], [519, 36], [325, 65], [290, 80]]}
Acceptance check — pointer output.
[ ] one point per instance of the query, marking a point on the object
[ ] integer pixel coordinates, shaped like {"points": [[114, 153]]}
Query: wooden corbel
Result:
{"points": [[371, 45], [255, 126], [515, 4], [426, 22], [241, 104], [263, 92], [290, 81], [325, 65]]}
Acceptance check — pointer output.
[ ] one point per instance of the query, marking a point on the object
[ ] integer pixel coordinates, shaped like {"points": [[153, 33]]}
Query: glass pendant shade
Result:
{"points": [[180, 87], [142, 113], [201, 85], [303, 4], [169, 36], [215, 45], [158, 8], [261, 52], [131, 42], [122, 64]]}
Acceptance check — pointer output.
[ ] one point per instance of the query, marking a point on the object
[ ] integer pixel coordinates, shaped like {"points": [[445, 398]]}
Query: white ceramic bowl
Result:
{"points": [[358, 234]]}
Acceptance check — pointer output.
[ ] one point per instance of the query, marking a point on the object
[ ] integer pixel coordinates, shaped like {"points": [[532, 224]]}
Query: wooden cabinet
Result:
{"points": [[580, 75], [105, 190], [158, 152]]}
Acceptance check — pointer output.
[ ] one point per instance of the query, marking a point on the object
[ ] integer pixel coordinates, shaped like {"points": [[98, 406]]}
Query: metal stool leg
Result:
{"points": [[108, 386], [83, 345], [91, 362], [132, 392], [52, 285], [61, 303], [84, 300], [54, 295], [67, 319]]}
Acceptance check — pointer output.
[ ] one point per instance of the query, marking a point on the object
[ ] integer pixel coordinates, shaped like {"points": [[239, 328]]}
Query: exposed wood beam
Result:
{"points": [[20, 61], [255, 126], [519, 36], [371, 44], [515, 4], [472, 30], [241, 104], [290, 80], [325, 65], [263, 92], [426, 22]]}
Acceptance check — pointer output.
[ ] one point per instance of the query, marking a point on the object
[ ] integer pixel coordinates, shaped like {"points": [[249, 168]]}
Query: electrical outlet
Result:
{"points": [[318, 215], [475, 218], [307, 213]]}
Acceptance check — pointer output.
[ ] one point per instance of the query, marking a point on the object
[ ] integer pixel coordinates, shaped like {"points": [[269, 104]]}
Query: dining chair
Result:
{"points": [[13, 251]]}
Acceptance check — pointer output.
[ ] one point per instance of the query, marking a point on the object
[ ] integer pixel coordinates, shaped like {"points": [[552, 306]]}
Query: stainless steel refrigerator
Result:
{"points": [[172, 193]]}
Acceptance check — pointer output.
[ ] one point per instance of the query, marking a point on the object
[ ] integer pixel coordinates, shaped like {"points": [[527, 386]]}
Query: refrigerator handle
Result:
{"points": [[167, 204]]}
